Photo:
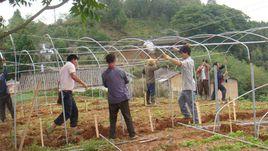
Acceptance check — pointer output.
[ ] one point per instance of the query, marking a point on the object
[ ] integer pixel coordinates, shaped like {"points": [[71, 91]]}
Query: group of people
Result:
{"points": [[203, 80], [116, 80]]}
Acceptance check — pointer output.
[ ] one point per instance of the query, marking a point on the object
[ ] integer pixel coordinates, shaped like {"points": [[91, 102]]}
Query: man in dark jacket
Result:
{"points": [[116, 81], [5, 98], [220, 79]]}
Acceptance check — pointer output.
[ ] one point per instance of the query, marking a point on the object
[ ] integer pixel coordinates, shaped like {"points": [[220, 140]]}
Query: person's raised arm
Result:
{"points": [[174, 61]]}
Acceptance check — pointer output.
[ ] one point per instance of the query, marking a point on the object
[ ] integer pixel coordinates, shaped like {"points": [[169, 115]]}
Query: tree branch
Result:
{"points": [[19, 27]]}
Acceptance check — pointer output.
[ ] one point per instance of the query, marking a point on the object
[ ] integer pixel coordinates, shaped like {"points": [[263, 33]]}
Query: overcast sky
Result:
{"points": [[256, 9]]}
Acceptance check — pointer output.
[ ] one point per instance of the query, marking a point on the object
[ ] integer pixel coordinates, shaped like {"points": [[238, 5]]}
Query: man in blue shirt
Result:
{"points": [[116, 81], [5, 99]]}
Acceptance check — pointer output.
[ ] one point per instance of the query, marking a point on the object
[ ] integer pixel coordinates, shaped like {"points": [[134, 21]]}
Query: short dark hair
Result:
{"points": [[72, 57], [110, 58], [185, 49], [205, 60], [215, 63]]}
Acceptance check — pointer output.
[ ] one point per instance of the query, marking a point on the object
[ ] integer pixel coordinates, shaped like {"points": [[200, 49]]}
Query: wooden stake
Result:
{"points": [[145, 96], [86, 105], [150, 119], [51, 108], [198, 112], [234, 110], [230, 117], [172, 109], [96, 126], [36, 91], [41, 132]]}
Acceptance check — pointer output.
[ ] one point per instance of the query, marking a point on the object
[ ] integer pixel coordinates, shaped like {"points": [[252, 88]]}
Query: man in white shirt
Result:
{"points": [[67, 81], [188, 83]]}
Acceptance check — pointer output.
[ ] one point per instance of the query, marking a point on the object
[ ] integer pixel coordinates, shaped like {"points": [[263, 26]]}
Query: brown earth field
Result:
{"points": [[165, 135]]}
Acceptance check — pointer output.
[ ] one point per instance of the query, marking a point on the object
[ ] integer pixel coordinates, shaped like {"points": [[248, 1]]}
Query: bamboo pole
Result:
{"points": [[145, 96], [86, 105], [41, 132], [172, 109], [150, 120], [234, 110], [230, 117], [29, 118], [198, 112], [96, 126]]}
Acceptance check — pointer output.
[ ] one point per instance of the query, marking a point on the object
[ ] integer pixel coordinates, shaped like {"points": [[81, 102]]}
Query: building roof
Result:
{"points": [[164, 74]]}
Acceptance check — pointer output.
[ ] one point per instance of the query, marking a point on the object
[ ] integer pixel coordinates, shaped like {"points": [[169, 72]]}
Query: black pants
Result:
{"points": [[150, 93], [203, 86], [113, 110], [5, 100], [223, 92], [71, 111]]}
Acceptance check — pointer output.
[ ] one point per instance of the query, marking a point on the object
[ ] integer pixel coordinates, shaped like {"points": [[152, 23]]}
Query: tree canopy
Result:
{"points": [[82, 8]]}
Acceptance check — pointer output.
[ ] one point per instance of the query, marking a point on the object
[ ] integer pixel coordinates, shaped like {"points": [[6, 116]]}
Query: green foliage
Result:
{"points": [[229, 147], [94, 93], [156, 9], [147, 19], [35, 147], [96, 145], [86, 8], [235, 68], [114, 13], [212, 139], [190, 143], [198, 19]]}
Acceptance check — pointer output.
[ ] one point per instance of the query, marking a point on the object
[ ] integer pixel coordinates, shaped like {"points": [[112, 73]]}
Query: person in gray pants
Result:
{"points": [[187, 96]]}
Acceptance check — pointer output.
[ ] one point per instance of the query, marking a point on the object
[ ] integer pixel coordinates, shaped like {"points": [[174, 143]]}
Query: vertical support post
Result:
{"points": [[253, 98], [15, 92], [41, 132], [230, 117], [150, 120], [172, 109], [170, 98], [194, 111], [234, 110], [91, 79], [216, 91], [96, 126], [198, 112], [145, 96], [86, 105]]}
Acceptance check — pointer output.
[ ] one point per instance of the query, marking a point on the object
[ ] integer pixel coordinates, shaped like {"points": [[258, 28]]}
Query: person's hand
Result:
{"points": [[87, 87], [174, 49], [166, 57], [3, 60]]}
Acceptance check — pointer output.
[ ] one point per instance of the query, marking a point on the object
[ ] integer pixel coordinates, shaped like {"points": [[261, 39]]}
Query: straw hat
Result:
{"points": [[151, 61]]}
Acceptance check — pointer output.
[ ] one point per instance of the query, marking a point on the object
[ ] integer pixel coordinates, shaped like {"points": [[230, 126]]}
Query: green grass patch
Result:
{"points": [[229, 147], [190, 143], [35, 147], [212, 139], [96, 145]]}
